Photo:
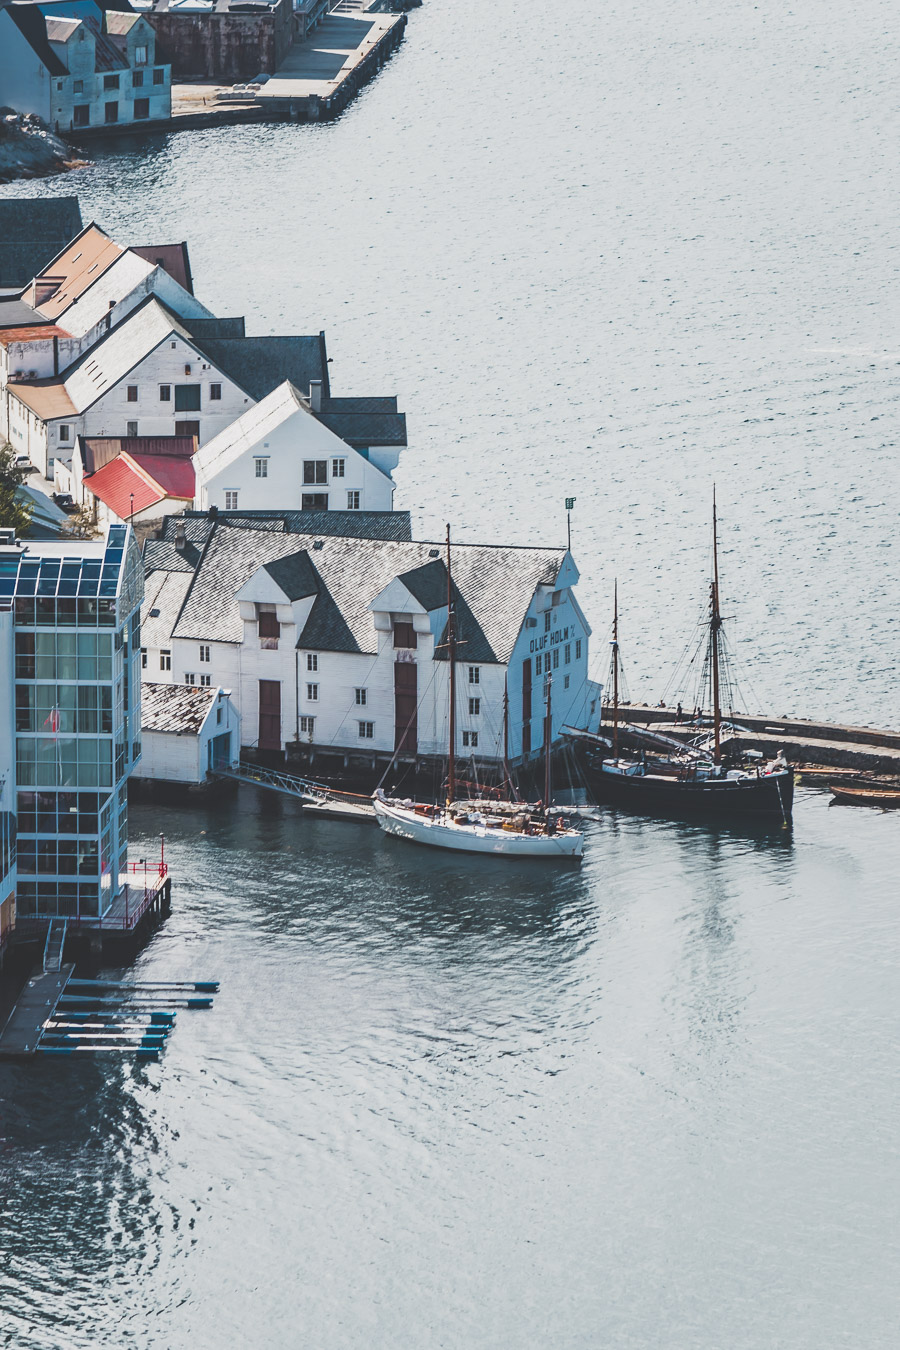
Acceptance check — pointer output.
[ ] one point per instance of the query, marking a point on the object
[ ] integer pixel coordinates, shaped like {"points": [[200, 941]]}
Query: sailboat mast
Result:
{"points": [[505, 734], [615, 660], [715, 623], [451, 657], [548, 736]]}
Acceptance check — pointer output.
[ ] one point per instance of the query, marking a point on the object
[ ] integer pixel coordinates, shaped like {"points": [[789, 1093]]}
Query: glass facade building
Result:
{"points": [[7, 779], [77, 717]]}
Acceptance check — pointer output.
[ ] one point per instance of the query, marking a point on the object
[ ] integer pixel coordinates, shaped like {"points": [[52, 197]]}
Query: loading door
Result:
{"points": [[270, 714], [406, 734]]}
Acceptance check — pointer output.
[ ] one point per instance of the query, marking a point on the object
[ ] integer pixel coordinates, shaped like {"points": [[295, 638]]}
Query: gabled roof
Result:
{"points": [[216, 328], [128, 485], [495, 586], [164, 594], [172, 258], [294, 575], [364, 429], [51, 220], [30, 22], [47, 398], [251, 427], [31, 333], [15, 312], [60, 27], [70, 273], [99, 450], [179, 709]]}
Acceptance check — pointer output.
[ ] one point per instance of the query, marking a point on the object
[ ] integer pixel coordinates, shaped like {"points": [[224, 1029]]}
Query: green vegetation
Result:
{"points": [[14, 512]]}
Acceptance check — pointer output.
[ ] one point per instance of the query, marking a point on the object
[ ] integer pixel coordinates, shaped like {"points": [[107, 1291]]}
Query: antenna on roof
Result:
{"points": [[570, 506]]}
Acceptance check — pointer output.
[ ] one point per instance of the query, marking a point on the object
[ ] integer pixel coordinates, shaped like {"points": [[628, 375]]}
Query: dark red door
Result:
{"points": [[526, 706], [406, 736], [270, 714]]}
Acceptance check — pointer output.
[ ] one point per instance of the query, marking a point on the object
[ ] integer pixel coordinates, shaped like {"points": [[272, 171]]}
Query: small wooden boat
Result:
{"points": [[866, 796]]}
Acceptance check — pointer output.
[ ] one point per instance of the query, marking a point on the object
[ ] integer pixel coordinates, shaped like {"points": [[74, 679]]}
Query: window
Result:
{"points": [[219, 714], [143, 658], [65, 432], [137, 79], [215, 393], [111, 113], [165, 660], [187, 398], [352, 501], [556, 658], [546, 661], [315, 471], [405, 635], [312, 661], [470, 738], [546, 621], [307, 725], [362, 697], [566, 682], [314, 501], [81, 115], [568, 653], [474, 706], [578, 650], [132, 394], [231, 501], [366, 730], [141, 109], [140, 56], [268, 624], [204, 653], [337, 468], [131, 428], [474, 674], [262, 468], [159, 77], [312, 693], [78, 87], [187, 429], [206, 681], [190, 678], [165, 393], [60, 86], [110, 82]]}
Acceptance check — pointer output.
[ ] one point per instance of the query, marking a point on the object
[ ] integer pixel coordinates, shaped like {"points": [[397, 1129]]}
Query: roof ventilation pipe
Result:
{"points": [[180, 540], [315, 395]]}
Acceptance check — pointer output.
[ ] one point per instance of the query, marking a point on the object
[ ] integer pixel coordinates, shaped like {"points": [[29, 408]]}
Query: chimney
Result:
{"points": [[180, 541], [315, 395]]}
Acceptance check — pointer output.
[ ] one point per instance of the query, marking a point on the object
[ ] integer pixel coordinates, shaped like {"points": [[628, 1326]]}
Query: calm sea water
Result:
{"points": [[613, 252]]}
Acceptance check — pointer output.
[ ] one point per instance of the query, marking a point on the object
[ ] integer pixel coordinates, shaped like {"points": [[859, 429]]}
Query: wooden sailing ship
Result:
{"points": [[687, 779], [520, 832]]}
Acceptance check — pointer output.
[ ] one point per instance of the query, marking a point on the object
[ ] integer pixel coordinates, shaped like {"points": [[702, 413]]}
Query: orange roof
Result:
{"points": [[47, 400], [33, 333], [69, 275]]}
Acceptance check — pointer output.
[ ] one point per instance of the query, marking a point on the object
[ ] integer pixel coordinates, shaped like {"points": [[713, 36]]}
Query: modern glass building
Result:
{"points": [[7, 779], [77, 716]]}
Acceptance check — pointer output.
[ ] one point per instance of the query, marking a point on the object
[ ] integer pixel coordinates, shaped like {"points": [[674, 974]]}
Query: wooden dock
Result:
{"points": [[825, 744]]}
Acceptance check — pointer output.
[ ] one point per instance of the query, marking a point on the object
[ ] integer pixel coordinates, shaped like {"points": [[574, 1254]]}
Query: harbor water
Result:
{"points": [[612, 252]]}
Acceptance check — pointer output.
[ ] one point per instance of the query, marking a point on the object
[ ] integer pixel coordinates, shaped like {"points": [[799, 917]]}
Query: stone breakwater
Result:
{"points": [[28, 149]]}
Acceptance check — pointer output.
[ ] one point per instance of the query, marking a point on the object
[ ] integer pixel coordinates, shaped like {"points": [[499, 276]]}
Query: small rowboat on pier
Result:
{"points": [[885, 797]]}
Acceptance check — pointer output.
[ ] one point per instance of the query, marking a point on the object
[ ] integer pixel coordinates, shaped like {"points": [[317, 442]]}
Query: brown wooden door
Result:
{"points": [[270, 714], [526, 706], [406, 734]]}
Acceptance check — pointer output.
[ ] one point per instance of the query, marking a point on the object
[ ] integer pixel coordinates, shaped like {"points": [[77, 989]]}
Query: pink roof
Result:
{"points": [[148, 481]]}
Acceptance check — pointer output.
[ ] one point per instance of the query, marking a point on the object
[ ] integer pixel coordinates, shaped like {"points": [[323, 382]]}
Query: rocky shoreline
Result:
{"points": [[28, 149]]}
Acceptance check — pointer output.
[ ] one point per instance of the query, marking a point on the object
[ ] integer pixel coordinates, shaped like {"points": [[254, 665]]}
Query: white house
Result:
{"points": [[339, 644], [76, 67], [147, 377], [186, 733], [280, 452]]}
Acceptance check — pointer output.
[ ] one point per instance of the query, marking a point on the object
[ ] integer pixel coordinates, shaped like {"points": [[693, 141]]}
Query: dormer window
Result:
{"points": [[140, 56], [268, 624]]}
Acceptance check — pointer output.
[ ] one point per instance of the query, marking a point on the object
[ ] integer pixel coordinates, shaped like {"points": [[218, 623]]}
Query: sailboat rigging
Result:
{"points": [[459, 828]]}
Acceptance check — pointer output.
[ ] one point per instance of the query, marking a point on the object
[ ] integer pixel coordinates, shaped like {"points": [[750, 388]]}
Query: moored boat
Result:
{"points": [[885, 797], [526, 832], [691, 780]]}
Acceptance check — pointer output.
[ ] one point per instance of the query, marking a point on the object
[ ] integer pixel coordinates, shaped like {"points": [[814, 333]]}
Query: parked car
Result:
{"points": [[65, 502], [23, 462]]}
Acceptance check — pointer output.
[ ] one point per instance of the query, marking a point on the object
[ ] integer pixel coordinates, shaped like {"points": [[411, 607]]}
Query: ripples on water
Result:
{"points": [[613, 252]]}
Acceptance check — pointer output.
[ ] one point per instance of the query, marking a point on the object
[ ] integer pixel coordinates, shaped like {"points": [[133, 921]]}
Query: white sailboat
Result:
{"points": [[524, 834]]}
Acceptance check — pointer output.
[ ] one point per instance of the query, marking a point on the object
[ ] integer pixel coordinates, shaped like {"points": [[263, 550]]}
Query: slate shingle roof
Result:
{"points": [[207, 329], [163, 591], [294, 575], [495, 584], [351, 524], [32, 231], [176, 708], [260, 364], [363, 429]]}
